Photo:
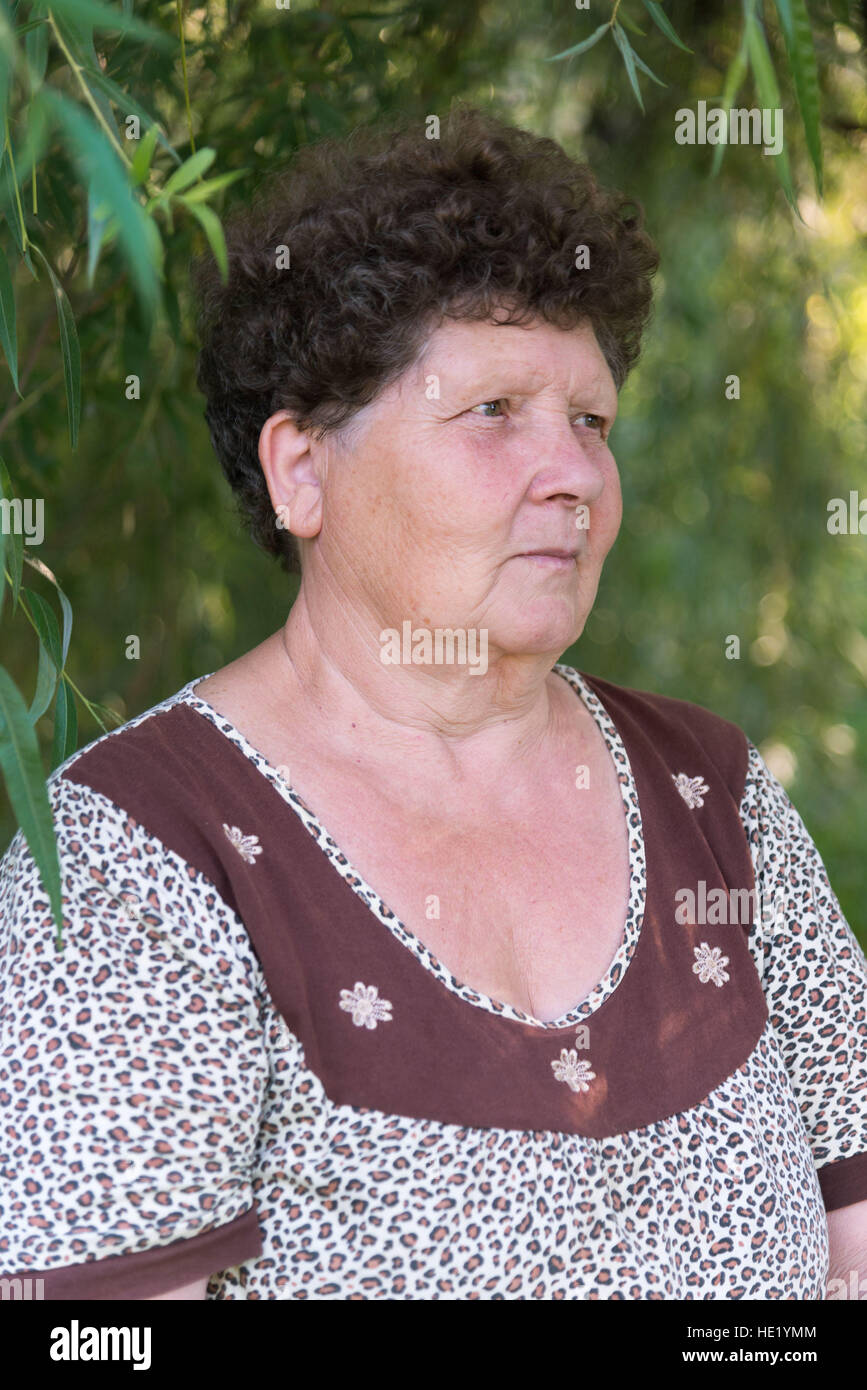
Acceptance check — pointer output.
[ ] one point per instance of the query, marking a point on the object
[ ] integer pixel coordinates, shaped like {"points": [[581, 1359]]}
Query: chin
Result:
{"points": [[537, 639]]}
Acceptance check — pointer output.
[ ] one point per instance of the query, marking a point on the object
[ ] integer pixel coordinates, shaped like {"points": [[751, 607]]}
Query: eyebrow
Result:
{"points": [[492, 383]]}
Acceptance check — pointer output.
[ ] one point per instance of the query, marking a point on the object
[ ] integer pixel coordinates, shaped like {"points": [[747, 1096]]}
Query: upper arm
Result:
{"points": [[134, 1064], [814, 975], [195, 1290], [847, 1251]]}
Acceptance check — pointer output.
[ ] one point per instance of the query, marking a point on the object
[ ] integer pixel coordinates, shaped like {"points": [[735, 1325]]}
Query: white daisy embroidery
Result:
{"points": [[247, 845], [575, 1073], [709, 964], [366, 1008], [692, 789]]}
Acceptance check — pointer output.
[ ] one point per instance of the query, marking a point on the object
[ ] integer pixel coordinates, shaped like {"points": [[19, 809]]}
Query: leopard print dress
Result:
{"points": [[242, 1065]]}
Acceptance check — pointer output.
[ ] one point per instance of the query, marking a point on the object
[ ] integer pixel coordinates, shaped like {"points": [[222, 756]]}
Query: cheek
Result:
{"points": [[466, 491], [479, 468], [610, 505]]}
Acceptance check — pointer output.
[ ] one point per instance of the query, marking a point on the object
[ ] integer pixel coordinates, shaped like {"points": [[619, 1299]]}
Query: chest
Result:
{"points": [[521, 893], [529, 911]]}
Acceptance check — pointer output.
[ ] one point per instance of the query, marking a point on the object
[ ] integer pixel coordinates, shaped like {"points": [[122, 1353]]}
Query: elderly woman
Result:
{"points": [[402, 961]]}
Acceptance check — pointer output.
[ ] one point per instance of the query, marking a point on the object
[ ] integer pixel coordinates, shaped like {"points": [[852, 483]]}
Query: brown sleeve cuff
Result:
{"points": [[844, 1182], [159, 1270]]}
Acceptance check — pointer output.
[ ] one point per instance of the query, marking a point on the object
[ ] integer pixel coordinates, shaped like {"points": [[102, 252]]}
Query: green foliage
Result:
{"points": [[752, 53], [22, 770], [662, 21], [795, 23], [123, 136], [70, 351]]}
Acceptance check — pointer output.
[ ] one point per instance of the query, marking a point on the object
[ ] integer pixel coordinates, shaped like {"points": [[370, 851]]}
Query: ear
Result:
{"points": [[291, 465]]}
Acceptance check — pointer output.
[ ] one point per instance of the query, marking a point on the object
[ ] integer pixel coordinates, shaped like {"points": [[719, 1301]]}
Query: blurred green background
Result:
{"points": [[725, 501]]}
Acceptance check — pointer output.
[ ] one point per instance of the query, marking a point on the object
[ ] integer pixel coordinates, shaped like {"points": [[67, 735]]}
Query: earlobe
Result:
{"points": [[304, 509]]}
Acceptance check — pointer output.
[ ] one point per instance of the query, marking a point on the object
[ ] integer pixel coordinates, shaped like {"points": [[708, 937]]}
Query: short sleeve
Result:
{"points": [[132, 1066], [814, 975]]}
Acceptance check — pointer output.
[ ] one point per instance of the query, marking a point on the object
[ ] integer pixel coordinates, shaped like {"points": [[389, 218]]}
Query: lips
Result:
{"points": [[555, 554]]}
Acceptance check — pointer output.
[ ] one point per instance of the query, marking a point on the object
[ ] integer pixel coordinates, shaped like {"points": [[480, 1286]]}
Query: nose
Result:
{"points": [[568, 466]]}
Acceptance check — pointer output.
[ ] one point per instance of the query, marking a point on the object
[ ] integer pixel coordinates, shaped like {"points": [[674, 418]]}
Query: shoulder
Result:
{"points": [[679, 731], [133, 843], [80, 788], [665, 710], [156, 745], [156, 772]]}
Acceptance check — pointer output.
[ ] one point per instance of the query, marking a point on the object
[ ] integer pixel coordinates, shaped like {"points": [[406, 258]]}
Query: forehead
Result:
{"points": [[474, 361], [537, 356]]}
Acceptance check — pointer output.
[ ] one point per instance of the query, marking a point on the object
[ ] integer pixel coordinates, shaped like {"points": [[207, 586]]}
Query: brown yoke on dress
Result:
{"points": [[660, 1042]]}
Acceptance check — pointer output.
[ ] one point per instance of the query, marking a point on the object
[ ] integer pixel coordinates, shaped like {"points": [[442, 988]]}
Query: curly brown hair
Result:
{"points": [[388, 234]]}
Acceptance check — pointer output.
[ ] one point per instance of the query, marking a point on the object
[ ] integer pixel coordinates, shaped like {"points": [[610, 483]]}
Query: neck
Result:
{"points": [[440, 720]]}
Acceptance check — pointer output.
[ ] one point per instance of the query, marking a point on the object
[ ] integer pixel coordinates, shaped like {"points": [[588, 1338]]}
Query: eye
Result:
{"points": [[483, 406], [600, 421]]}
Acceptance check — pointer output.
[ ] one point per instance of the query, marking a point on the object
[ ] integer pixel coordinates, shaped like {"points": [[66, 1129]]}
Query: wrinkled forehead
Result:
{"points": [[461, 356]]}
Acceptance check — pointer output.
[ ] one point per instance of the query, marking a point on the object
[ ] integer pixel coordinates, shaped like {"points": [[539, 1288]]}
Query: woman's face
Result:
{"points": [[493, 444]]}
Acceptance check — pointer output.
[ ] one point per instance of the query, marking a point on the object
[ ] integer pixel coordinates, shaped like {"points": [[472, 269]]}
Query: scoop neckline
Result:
{"points": [[339, 861]]}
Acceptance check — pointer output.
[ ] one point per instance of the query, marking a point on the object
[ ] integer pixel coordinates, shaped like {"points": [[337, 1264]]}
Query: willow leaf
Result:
{"points": [[214, 232], [629, 61], [103, 172], [82, 12], [662, 21], [8, 334], [45, 621], [14, 551], [798, 34], [581, 47], [70, 351], [46, 684], [65, 738], [22, 769], [65, 605], [769, 95]]}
